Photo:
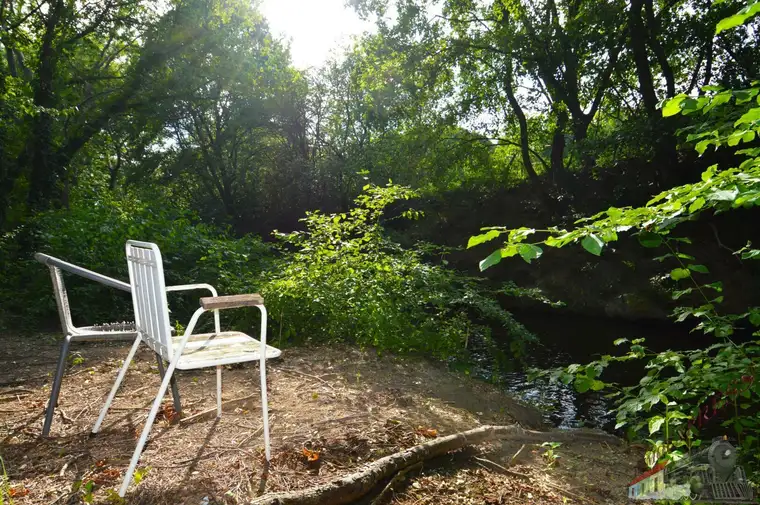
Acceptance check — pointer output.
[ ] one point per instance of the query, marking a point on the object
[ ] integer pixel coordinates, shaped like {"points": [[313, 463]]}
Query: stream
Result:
{"points": [[566, 339]]}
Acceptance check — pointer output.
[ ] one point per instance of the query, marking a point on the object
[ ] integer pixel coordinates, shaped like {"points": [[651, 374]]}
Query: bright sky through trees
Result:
{"points": [[314, 27]]}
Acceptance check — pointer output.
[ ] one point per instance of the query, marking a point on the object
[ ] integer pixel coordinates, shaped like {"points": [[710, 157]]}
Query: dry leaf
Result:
{"points": [[167, 412], [106, 476], [310, 455], [18, 492], [427, 432]]}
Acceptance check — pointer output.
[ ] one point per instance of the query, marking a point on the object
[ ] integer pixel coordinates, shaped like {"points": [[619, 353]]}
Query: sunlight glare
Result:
{"points": [[315, 28]]}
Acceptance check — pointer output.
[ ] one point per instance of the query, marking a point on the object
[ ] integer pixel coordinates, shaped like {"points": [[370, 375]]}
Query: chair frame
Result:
{"points": [[214, 303], [74, 333]]}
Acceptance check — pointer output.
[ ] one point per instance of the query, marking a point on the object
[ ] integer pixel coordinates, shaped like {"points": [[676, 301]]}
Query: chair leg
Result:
{"points": [[115, 388], [263, 371], [146, 430], [53, 402], [265, 410], [218, 391], [173, 383]]}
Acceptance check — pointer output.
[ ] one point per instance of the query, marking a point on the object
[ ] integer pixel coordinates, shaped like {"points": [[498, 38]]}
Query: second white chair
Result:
{"points": [[146, 277]]}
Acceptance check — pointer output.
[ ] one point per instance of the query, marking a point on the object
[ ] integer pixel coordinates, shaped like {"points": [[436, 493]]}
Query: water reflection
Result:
{"points": [[566, 339]]}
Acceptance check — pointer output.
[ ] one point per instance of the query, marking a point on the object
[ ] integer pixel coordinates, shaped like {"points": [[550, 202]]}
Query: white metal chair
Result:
{"points": [[146, 277], [72, 333]]}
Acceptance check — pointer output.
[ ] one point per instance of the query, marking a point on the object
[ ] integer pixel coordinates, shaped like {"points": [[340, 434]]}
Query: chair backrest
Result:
{"points": [[146, 277], [62, 301]]}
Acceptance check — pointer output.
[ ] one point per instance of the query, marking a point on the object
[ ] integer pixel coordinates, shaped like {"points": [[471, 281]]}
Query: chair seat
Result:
{"points": [[211, 349]]}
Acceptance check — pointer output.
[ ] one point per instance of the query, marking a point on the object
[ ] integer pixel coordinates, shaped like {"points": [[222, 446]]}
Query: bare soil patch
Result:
{"points": [[332, 409]]}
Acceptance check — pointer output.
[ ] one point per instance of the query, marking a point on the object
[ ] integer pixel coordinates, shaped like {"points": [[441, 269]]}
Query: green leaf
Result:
{"points": [[718, 99], [655, 423], [745, 95], [679, 273], [717, 286], [696, 205], [678, 294], [480, 239], [738, 18], [750, 116], [582, 384], [492, 259], [529, 252], [699, 268], [649, 239], [593, 244], [702, 146], [620, 341], [754, 318], [724, 195], [597, 385], [673, 106]]}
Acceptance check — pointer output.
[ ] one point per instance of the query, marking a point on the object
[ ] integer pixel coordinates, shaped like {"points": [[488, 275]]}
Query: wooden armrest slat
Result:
{"points": [[231, 301]]}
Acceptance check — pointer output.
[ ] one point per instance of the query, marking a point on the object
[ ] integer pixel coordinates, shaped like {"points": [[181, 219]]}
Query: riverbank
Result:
{"points": [[346, 406]]}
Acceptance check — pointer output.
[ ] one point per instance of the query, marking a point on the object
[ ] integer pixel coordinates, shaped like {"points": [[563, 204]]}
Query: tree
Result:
{"points": [[69, 71], [677, 382]]}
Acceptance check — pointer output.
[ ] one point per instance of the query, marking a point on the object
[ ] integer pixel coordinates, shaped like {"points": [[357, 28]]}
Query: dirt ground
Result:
{"points": [[339, 405]]}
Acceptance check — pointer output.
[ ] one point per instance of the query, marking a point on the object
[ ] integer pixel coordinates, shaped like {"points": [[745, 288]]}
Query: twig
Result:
{"points": [[569, 493], [514, 458], [140, 389], [88, 407], [399, 477], [64, 417], [15, 397], [721, 244], [341, 419], [213, 409], [320, 379], [68, 462], [503, 468], [16, 391], [184, 462], [258, 430]]}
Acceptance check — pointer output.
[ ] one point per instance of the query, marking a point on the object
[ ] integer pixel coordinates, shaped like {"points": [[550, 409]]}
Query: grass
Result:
{"points": [[5, 486]]}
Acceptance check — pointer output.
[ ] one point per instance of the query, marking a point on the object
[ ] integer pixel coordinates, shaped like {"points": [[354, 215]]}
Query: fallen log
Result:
{"points": [[352, 487]]}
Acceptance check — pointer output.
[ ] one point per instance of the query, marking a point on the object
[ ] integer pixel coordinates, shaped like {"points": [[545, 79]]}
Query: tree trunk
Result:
{"points": [[558, 144], [659, 52], [352, 487], [638, 36], [708, 63], [522, 121], [44, 163]]}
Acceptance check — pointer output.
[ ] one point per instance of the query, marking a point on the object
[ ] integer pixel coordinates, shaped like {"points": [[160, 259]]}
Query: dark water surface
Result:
{"points": [[566, 339]]}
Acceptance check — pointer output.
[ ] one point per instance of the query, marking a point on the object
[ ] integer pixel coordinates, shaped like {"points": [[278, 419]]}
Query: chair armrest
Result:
{"points": [[231, 301], [190, 287]]}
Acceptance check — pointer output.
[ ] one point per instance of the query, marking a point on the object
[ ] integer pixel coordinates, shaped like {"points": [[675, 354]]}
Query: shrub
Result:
{"points": [[345, 280], [93, 236]]}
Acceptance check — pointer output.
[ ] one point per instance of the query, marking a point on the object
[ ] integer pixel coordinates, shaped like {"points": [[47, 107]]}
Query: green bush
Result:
{"points": [[93, 236], [345, 280]]}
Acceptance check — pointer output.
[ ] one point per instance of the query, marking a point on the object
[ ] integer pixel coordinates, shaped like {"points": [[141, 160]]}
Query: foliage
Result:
{"points": [[346, 281], [185, 123], [5, 486], [93, 236], [549, 453], [669, 401]]}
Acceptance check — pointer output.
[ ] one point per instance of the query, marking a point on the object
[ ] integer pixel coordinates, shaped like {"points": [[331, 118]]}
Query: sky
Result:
{"points": [[314, 27]]}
